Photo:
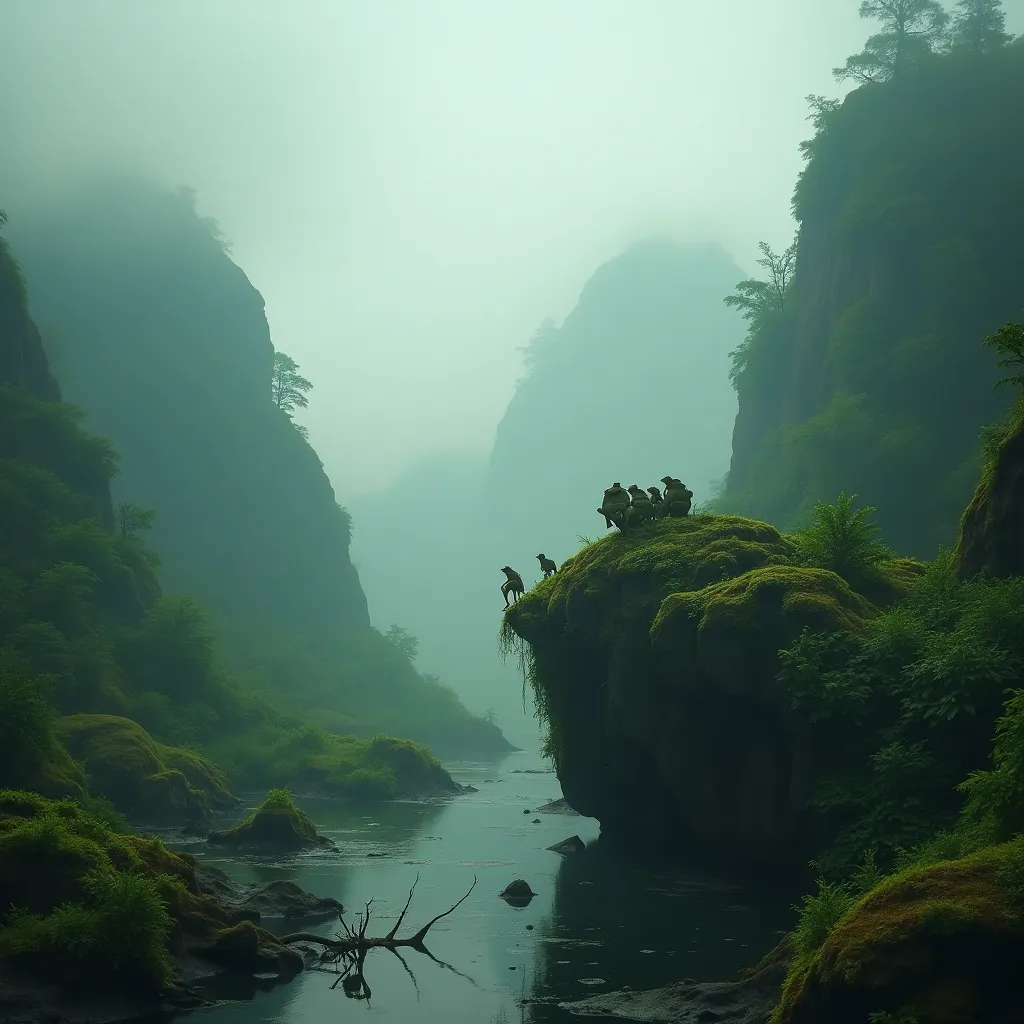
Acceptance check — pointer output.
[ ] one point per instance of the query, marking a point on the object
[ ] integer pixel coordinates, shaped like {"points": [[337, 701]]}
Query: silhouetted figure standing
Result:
{"points": [[513, 585]]}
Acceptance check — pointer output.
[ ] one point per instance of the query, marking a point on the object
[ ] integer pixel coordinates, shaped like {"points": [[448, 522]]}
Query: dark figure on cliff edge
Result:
{"points": [[547, 565], [678, 498], [656, 498], [513, 585], [615, 506], [641, 510]]}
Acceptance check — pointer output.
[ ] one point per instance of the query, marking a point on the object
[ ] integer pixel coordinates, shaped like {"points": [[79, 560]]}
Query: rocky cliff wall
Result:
{"points": [[164, 341], [909, 251]]}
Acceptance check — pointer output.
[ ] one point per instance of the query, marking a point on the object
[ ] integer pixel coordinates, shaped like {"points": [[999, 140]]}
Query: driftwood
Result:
{"points": [[348, 949]]}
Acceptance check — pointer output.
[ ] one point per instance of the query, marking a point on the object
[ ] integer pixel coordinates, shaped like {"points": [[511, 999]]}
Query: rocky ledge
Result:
{"points": [[653, 656]]}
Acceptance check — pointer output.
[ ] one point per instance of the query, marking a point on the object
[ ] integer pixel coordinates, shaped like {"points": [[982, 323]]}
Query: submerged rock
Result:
{"points": [[276, 826], [569, 846]]}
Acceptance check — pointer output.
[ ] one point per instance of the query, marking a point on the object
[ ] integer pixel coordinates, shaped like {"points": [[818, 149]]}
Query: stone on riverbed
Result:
{"points": [[569, 846], [517, 893]]}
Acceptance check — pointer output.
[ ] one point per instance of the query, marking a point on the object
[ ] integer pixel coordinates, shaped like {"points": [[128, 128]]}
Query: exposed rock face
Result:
{"points": [[902, 269], [655, 657], [278, 900], [992, 531], [163, 340], [22, 359]]}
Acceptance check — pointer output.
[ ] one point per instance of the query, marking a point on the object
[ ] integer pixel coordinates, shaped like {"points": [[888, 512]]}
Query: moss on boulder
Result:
{"points": [[276, 826], [145, 780], [731, 632], [93, 908], [941, 943], [653, 658], [991, 539]]}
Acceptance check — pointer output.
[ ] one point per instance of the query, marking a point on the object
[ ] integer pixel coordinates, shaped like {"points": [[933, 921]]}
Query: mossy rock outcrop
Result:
{"points": [[941, 944], [654, 658], [93, 910], [992, 530], [147, 781], [276, 826]]}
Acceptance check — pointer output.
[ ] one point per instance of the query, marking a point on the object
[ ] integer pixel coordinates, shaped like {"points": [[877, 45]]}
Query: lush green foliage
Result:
{"points": [[77, 894], [907, 708], [844, 540]]}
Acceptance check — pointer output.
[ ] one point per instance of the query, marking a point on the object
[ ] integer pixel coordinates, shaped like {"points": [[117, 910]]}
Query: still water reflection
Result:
{"points": [[599, 921]]}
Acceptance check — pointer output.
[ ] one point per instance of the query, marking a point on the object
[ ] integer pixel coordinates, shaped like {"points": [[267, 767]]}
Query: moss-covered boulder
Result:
{"points": [[147, 781], [941, 944], [276, 826], [653, 656], [90, 909], [991, 533]]}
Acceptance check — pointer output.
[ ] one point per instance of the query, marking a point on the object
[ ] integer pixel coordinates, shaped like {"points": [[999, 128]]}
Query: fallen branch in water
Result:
{"points": [[351, 946]]}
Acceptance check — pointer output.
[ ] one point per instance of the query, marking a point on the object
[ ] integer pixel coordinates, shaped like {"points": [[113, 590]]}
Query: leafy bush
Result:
{"points": [[844, 540], [81, 895], [819, 914]]}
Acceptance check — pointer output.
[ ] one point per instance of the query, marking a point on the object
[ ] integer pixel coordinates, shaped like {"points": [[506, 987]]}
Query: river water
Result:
{"points": [[600, 920]]}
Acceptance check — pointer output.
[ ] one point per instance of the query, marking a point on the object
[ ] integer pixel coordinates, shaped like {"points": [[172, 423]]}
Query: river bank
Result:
{"points": [[599, 922]]}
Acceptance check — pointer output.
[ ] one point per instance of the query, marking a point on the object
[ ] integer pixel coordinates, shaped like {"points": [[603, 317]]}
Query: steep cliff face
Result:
{"points": [[164, 341], [22, 359], [992, 530], [632, 386], [909, 251], [653, 657]]}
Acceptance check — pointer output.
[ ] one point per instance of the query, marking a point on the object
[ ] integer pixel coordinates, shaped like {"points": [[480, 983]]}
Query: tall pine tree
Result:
{"points": [[910, 31], [979, 26]]}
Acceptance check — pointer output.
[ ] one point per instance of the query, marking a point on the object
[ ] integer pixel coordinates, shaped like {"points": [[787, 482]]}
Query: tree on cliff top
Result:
{"points": [[759, 299], [286, 386], [910, 30], [979, 26]]}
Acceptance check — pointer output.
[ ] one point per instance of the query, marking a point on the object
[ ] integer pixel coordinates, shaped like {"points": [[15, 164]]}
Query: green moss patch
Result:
{"points": [[85, 905], [734, 630], [276, 826], [309, 760], [142, 778], [938, 942]]}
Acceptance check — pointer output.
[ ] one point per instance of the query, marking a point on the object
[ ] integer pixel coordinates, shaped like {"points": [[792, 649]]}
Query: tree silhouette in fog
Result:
{"points": [[911, 29]]}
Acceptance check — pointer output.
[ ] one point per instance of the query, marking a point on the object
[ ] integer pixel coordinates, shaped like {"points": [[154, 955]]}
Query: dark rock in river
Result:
{"points": [[517, 893], [748, 1001], [280, 900], [568, 846], [559, 806]]}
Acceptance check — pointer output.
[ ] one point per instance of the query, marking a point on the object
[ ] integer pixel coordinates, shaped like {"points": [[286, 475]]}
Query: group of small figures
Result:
{"points": [[629, 507], [624, 507]]}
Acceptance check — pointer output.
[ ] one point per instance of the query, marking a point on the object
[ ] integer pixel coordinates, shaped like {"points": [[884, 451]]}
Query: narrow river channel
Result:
{"points": [[600, 920]]}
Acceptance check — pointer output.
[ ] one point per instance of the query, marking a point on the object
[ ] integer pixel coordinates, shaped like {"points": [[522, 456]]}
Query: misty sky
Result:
{"points": [[414, 185]]}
